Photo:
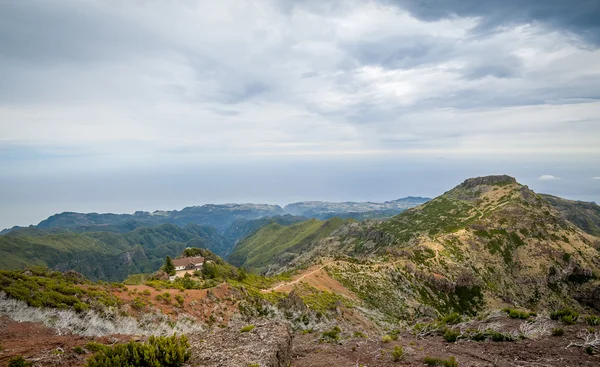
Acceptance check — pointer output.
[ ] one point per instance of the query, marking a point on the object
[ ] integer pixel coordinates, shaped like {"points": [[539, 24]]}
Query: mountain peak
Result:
{"points": [[488, 180]]}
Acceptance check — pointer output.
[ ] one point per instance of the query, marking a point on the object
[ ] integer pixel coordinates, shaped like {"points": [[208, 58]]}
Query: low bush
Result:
{"points": [[592, 320], [137, 303], [19, 361], [397, 353], [558, 331], [448, 362], [78, 350], [451, 335], [567, 316], [451, 319], [156, 352], [40, 287], [331, 335], [165, 297], [386, 338], [517, 314], [247, 328], [179, 300]]}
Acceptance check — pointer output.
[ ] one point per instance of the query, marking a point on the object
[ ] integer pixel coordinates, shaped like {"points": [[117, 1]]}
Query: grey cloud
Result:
{"points": [[72, 32], [581, 17]]}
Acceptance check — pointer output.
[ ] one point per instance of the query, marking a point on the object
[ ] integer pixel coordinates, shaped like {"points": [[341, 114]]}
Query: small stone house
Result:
{"points": [[188, 263]]}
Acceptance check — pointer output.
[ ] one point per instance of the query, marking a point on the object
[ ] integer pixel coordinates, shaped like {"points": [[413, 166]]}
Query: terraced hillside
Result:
{"points": [[487, 243]]}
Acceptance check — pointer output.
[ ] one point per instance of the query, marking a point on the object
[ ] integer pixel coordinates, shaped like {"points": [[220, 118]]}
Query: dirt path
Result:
{"points": [[297, 280]]}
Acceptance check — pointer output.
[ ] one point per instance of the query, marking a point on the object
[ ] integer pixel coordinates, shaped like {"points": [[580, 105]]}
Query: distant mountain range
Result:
{"points": [[112, 246], [221, 216], [257, 236], [356, 210]]}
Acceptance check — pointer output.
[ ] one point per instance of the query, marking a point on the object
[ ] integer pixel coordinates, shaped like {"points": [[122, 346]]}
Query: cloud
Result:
{"points": [[548, 178], [582, 20], [596, 178], [237, 78]]}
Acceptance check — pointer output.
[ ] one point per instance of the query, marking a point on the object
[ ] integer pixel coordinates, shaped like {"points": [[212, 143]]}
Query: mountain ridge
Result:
{"points": [[489, 241]]}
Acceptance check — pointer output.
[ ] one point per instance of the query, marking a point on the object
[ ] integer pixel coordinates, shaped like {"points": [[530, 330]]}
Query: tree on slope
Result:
{"points": [[169, 268]]}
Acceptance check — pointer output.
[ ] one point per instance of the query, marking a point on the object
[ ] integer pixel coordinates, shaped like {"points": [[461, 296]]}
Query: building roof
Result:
{"points": [[187, 260]]}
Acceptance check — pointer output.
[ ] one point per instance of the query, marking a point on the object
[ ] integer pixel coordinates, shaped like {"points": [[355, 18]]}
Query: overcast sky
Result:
{"points": [[115, 106]]}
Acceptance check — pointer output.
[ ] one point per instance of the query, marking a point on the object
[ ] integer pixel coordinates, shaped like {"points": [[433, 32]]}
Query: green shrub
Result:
{"points": [[499, 337], [78, 350], [397, 353], [592, 320], [331, 335], [137, 303], [156, 352], [558, 331], [451, 319], [40, 287], [449, 362], [94, 347], [451, 335], [567, 316], [19, 361], [165, 297], [179, 300], [359, 334], [247, 328], [516, 314], [146, 292]]}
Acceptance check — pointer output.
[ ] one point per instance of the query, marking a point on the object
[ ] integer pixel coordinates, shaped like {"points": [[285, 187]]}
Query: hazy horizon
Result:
{"points": [[366, 184], [121, 106]]}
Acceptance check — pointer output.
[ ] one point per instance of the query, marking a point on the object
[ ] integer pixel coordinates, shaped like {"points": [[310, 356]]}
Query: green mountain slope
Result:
{"points": [[583, 214], [241, 228], [489, 242], [275, 243], [107, 255]]}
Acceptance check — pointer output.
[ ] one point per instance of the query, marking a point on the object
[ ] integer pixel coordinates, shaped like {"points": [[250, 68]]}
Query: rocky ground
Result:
{"points": [[272, 344], [43, 346], [267, 345], [547, 351]]}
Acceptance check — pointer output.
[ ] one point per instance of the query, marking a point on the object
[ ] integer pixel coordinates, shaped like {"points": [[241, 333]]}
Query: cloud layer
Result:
{"points": [[92, 86], [270, 78]]}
